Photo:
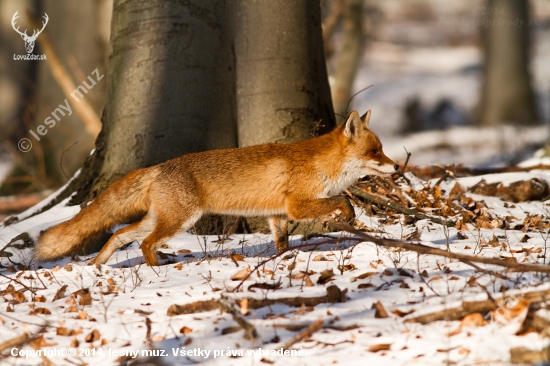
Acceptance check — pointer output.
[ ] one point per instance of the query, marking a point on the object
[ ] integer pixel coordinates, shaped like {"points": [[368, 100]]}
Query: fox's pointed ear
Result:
{"points": [[353, 125], [365, 119]]}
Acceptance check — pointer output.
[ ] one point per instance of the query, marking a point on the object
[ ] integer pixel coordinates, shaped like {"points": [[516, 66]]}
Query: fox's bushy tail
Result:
{"points": [[126, 200]]}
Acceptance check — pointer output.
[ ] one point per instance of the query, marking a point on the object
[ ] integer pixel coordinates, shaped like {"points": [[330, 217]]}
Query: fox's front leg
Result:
{"points": [[300, 209], [279, 229]]}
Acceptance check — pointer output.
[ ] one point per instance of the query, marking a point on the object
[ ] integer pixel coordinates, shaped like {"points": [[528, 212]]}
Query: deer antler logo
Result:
{"points": [[29, 41]]}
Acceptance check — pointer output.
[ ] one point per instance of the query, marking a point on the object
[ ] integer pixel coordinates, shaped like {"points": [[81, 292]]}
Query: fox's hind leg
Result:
{"points": [[279, 229], [167, 227], [136, 231]]}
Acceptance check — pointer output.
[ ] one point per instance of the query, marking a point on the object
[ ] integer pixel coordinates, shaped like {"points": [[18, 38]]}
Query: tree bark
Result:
{"points": [[282, 85], [181, 74], [170, 88], [507, 94]]}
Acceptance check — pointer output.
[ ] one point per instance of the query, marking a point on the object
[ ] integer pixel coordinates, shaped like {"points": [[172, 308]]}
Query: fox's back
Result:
{"points": [[251, 180]]}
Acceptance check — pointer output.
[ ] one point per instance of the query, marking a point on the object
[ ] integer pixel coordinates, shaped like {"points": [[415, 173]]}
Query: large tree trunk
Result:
{"points": [[181, 74], [282, 89], [170, 88], [507, 94]]}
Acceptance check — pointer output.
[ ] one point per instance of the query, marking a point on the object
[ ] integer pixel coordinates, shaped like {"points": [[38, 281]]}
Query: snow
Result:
{"points": [[125, 293]]}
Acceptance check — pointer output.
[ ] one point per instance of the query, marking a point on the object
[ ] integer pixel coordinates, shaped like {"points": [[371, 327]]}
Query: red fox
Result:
{"points": [[295, 181]]}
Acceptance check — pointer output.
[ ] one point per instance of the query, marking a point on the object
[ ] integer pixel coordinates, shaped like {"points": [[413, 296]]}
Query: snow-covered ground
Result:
{"points": [[121, 307]]}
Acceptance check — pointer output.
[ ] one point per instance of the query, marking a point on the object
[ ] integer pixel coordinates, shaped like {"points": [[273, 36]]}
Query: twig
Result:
{"points": [[424, 249], [402, 172], [314, 327], [486, 271], [383, 203], [248, 328], [20, 340], [22, 284], [275, 256], [61, 160], [353, 96]]}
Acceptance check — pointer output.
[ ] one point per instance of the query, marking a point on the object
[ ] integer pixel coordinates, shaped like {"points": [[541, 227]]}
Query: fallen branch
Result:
{"points": [[83, 108], [424, 249], [21, 340], [248, 328], [482, 306], [314, 327], [383, 203], [334, 295], [460, 170]]}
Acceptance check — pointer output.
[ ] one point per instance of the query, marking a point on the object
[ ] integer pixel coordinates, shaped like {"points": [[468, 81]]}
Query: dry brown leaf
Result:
{"points": [[40, 311], [242, 274], [244, 306], [93, 336], [380, 312], [39, 299], [74, 343], [65, 332], [325, 277], [178, 266], [363, 276], [185, 330], [380, 347], [436, 278], [401, 313]]}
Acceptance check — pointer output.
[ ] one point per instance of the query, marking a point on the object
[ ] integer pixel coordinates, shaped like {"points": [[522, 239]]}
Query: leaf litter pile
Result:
{"points": [[435, 271]]}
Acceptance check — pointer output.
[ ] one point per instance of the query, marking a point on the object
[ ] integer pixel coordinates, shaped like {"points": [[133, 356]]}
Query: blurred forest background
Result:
{"points": [[463, 82]]}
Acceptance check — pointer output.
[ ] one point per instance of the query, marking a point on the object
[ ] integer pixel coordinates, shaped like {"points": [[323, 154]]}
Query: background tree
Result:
{"points": [[78, 31], [349, 55], [507, 94]]}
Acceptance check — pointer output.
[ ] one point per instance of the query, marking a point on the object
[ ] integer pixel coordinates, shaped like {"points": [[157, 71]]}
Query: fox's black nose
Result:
{"points": [[396, 167]]}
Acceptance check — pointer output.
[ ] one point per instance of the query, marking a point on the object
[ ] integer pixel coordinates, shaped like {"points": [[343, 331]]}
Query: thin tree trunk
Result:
{"points": [[75, 34], [349, 56], [507, 94]]}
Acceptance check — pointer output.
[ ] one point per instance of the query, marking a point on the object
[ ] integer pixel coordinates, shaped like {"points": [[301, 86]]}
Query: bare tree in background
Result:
{"points": [[76, 31], [349, 55], [507, 94], [183, 75]]}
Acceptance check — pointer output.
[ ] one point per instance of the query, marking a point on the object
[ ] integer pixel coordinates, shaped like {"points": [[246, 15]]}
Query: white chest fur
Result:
{"points": [[351, 171]]}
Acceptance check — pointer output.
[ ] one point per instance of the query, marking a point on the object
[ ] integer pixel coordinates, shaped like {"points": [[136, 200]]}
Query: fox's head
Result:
{"points": [[363, 149]]}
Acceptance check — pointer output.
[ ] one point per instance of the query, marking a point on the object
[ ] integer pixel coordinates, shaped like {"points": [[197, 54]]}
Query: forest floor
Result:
{"points": [[335, 299]]}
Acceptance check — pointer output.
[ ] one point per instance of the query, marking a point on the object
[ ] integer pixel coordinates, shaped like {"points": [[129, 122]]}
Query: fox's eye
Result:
{"points": [[374, 152]]}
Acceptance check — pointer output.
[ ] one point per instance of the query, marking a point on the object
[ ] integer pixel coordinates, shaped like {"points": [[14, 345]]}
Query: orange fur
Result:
{"points": [[297, 181]]}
